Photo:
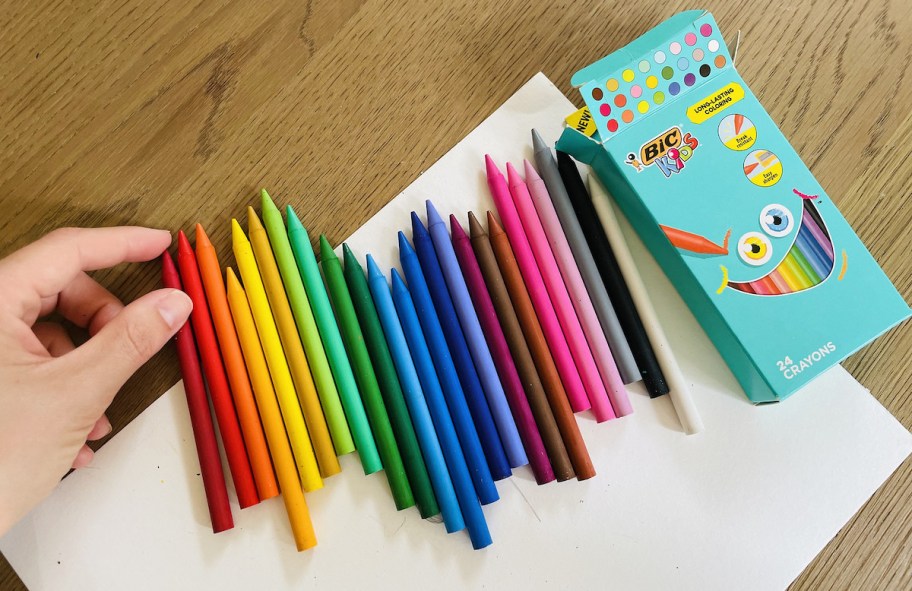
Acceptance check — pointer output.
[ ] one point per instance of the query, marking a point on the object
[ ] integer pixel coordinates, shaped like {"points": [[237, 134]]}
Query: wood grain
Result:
{"points": [[165, 113]]}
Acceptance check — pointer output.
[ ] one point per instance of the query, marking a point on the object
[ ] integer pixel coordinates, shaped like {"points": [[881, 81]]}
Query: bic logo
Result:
{"points": [[668, 152]]}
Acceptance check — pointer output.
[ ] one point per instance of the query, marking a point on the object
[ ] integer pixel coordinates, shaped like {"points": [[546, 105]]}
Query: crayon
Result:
{"points": [[294, 351], [244, 403], [779, 282], [525, 365], [812, 252], [417, 405], [329, 334], [588, 269], [469, 504], [503, 359], [422, 269], [611, 275], [544, 308], [307, 327], [367, 344], [282, 382], [560, 298], [216, 379], [538, 345], [692, 242], [478, 346], [360, 362], [815, 224], [679, 388], [582, 303], [292, 495], [200, 419], [791, 273]]}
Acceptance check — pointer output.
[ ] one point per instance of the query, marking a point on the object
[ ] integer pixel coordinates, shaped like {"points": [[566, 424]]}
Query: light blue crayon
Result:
{"points": [[446, 433], [415, 400]]}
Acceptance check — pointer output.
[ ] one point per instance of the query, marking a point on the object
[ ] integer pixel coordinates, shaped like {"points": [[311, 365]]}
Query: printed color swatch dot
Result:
{"points": [[611, 85], [627, 75], [620, 100], [706, 29], [605, 109], [644, 66], [683, 63], [698, 54], [720, 61], [643, 106], [658, 98], [690, 38], [675, 48], [659, 57], [612, 125], [713, 45], [704, 70], [597, 94], [668, 72], [689, 79], [674, 88], [652, 81], [636, 91], [627, 116]]}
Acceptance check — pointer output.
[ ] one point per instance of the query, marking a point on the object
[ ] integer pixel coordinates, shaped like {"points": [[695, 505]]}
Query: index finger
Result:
{"points": [[45, 267]]}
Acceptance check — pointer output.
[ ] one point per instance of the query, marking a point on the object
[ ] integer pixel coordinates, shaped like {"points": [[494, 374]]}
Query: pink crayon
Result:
{"points": [[560, 298], [595, 336], [573, 384], [500, 351]]}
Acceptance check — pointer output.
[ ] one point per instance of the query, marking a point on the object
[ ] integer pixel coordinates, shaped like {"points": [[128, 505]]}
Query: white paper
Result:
{"points": [[745, 505]]}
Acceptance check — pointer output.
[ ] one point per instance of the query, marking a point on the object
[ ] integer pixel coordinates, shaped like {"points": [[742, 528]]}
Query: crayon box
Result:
{"points": [[767, 264]]}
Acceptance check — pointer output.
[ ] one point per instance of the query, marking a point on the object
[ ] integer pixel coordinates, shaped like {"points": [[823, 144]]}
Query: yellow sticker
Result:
{"points": [[582, 122], [737, 132], [717, 102]]}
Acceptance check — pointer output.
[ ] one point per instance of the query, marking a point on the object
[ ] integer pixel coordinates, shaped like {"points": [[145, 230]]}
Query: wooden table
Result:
{"points": [[165, 113]]}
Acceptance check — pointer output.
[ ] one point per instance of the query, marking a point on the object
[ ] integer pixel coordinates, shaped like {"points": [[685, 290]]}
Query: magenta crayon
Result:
{"points": [[557, 343], [503, 359]]}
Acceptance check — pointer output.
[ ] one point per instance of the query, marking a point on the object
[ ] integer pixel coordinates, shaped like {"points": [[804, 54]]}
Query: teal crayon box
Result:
{"points": [[767, 264]]}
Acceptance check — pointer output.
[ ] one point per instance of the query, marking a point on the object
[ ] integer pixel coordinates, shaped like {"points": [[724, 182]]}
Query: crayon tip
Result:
{"points": [[512, 176], [373, 270], [237, 233], [349, 256], [202, 239], [418, 229], [183, 245], [167, 263], [398, 282], [530, 172], [433, 217], [294, 224], [326, 251], [494, 228], [232, 280], [538, 143], [266, 203], [405, 247], [563, 159], [475, 228], [457, 230], [253, 221], [490, 167]]}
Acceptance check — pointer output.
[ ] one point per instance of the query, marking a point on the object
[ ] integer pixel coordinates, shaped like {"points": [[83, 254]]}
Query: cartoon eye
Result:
{"points": [[776, 220], [755, 248]]}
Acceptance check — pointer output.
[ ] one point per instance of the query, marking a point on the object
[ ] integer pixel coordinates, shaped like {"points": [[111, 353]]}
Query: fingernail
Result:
{"points": [[175, 308]]}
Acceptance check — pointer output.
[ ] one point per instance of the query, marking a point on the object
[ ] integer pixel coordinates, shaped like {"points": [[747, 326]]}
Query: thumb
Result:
{"points": [[106, 361]]}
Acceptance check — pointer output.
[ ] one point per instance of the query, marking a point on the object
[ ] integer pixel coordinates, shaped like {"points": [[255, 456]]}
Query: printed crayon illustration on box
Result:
{"points": [[742, 228]]}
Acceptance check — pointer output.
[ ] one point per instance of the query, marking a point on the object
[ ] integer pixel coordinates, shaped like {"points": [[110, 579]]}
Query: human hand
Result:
{"points": [[53, 395]]}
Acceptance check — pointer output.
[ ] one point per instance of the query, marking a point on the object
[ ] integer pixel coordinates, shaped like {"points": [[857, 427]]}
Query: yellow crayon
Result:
{"points": [[791, 273], [282, 458], [294, 350], [275, 359]]}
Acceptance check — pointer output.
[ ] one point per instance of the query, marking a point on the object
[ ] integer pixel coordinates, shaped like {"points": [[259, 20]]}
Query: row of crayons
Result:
{"points": [[469, 366], [808, 262]]}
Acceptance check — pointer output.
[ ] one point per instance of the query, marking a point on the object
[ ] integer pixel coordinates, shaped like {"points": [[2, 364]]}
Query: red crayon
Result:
{"points": [[503, 359], [216, 378], [200, 419]]}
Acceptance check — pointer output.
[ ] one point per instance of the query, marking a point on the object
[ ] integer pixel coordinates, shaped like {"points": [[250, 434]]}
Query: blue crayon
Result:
{"points": [[459, 349], [478, 346], [446, 433], [812, 252], [449, 378], [415, 400]]}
